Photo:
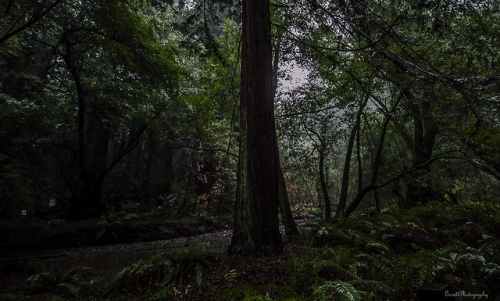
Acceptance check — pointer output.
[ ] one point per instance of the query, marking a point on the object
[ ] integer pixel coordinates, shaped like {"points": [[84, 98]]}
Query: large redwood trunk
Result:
{"points": [[256, 230]]}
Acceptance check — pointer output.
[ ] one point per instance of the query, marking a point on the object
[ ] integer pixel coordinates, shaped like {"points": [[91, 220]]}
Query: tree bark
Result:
{"points": [[93, 143], [151, 186], [424, 137], [88, 188], [284, 204], [358, 157], [324, 187], [256, 226], [376, 164], [347, 164]]}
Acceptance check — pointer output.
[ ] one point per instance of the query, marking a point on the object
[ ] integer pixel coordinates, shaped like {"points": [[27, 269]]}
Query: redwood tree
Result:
{"points": [[256, 227]]}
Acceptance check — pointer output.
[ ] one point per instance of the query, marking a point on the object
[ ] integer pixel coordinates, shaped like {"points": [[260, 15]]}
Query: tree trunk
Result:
{"points": [[358, 157], [376, 164], [324, 187], [87, 191], [151, 187], [284, 205], [183, 204], [256, 226], [424, 137], [347, 164]]}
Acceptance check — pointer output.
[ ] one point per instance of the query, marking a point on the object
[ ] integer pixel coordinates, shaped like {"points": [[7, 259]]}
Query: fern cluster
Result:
{"points": [[363, 257], [110, 223], [161, 269], [157, 273], [383, 256], [70, 284]]}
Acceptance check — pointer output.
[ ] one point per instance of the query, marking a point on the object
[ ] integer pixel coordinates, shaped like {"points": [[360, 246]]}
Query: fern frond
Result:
{"points": [[199, 274], [69, 289], [237, 291], [386, 236], [378, 266], [489, 245], [40, 276], [201, 246], [378, 246], [414, 228], [257, 298], [491, 270], [169, 275], [75, 272], [119, 278], [345, 290], [341, 254], [130, 216], [178, 254], [470, 260], [376, 285]]}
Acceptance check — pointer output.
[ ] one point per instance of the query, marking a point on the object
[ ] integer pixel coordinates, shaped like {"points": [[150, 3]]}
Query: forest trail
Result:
{"points": [[17, 266]]}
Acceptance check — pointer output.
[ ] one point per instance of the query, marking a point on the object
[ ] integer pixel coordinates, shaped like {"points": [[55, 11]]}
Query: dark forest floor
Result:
{"points": [[34, 247], [373, 256]]}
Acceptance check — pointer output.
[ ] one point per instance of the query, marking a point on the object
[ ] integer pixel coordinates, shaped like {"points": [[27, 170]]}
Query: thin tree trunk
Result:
{"points": [[152, 171], [183, 204], [324, 188], [358, 156], [424, 137], [377, 201], [347, 164], [376, 164], [284, 204]]}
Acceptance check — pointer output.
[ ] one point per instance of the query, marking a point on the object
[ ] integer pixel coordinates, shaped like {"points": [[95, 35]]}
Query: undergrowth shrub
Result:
{"points": [[161, 269], [369, 248], [70, 284], [110, 223], [383, 256]]}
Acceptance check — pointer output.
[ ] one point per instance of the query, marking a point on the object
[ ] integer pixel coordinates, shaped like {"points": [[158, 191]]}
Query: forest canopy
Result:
{"points": [[121, 104]]}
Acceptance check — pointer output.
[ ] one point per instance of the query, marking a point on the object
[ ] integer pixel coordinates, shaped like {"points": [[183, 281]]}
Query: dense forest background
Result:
{"points": [[371, 127], [135, 104]]}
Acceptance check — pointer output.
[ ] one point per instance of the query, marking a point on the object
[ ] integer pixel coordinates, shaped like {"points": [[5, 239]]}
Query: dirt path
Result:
{"points": [[107, 259]]}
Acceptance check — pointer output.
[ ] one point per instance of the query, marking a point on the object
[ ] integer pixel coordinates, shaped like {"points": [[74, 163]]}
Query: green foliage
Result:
{"points": [[70, 284], [298, 274], [346, 291], [355, 256], [110, 223], [357, 259], [341, 259], [237, 291], [231, 275], [56, 222], [45, 277], [170, 264]]}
